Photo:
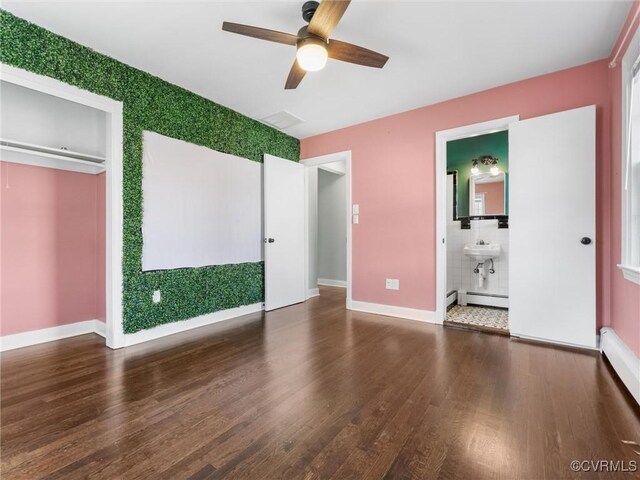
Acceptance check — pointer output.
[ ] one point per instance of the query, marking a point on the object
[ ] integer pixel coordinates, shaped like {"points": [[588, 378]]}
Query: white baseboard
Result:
{"points": [[35, 337], [487, 300], [191, 323], [327, 282], [547, 341], [622, 359], [313, 292], [392, 311], [100, 328], [25, 339]]}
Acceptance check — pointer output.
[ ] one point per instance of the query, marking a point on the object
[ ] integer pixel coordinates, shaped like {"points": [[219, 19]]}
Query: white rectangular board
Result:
{"points": [[200, 207]]}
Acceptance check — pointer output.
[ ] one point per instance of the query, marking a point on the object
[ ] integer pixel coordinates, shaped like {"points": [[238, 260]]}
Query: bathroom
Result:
{"points": [[478, 233]]}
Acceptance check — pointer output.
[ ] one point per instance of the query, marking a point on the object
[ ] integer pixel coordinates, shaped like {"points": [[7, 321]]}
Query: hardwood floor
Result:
{"points": [[312, 391]]}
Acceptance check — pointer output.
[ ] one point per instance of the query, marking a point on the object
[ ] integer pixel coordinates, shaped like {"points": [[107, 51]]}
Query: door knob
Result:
{"points": [[585, 240], [269, 240]]}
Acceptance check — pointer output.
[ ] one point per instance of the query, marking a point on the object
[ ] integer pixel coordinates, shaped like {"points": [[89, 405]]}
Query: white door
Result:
{"points": [[284, 253], [552, 242]]}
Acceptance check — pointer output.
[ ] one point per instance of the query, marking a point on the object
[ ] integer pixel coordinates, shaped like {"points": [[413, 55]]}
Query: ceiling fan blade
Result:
{"points": [[326, 17], [347, 52], [261, 33], [295, 76]]}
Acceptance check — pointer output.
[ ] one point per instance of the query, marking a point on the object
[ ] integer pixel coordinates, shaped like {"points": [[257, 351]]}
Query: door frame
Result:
{"points": [[314, 162], [113, 331], [442, 137]]}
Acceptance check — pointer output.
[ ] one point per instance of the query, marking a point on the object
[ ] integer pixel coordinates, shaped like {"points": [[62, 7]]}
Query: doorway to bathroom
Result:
{"points": [[474, 226], [548, 238]]}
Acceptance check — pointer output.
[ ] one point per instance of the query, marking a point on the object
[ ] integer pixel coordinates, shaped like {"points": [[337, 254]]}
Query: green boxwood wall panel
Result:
{"points": [[153, 104]]}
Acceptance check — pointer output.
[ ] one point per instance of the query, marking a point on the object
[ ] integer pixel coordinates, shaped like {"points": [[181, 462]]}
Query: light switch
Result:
{"points": [[356, 209], [156, 296], [355, 219]]}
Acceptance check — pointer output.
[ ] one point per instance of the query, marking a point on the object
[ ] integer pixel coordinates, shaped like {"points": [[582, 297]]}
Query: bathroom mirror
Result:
{"points": [[476, 157], [487, 193]]}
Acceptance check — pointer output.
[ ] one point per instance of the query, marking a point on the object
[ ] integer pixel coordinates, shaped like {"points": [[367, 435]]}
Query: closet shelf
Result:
{"points": [[31, 154]]}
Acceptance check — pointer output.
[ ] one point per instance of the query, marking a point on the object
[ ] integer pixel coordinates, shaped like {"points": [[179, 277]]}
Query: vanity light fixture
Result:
{"points": [[485, 160]]}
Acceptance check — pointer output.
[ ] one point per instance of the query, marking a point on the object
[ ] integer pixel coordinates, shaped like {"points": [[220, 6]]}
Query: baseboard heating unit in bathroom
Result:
{"points": [[479, 298], [452, 296]]}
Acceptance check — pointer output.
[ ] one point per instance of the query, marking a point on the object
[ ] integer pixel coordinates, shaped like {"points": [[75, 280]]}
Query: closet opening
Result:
{"points": [[57, 157]]}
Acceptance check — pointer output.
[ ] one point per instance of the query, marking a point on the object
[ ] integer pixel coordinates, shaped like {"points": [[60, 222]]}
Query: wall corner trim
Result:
{"points": [[44, 335], [622, 359], [393, 311]]}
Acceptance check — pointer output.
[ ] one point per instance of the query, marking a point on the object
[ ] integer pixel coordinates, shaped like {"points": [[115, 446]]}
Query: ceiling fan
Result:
{"points": [[312, 41]]}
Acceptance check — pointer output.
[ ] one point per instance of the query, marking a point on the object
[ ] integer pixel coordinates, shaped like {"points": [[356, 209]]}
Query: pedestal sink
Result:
{"points": [[482, 252]]}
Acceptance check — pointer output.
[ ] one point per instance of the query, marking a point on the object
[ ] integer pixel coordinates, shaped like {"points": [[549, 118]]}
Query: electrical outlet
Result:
{"points": [[156, 297], [392, 284]]}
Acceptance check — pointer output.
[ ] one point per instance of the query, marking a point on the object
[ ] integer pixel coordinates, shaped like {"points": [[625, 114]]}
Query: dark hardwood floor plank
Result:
{"points": [[310, 391]]}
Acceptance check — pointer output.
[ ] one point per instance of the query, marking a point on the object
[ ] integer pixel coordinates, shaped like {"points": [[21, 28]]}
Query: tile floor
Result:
{"points": [[488, 317]]}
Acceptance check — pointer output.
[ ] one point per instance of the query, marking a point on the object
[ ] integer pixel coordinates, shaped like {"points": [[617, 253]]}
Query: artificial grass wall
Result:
{"points": [[153, 104]]}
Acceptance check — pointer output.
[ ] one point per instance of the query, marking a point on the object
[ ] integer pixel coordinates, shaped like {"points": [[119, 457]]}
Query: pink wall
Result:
{"points": [[625, 295], [51, 247], [393, 180], [493, 198]]}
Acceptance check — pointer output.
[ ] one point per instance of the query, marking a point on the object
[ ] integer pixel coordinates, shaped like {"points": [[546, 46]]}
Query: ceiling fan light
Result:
{"points": [[312, 55]]}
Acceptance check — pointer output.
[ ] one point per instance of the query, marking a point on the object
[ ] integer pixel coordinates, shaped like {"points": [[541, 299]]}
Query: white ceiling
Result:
{"points": [[437, 50]]}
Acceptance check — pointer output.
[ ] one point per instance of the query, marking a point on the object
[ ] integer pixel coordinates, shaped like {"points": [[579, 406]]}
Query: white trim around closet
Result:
{"points": [[113, 167]]}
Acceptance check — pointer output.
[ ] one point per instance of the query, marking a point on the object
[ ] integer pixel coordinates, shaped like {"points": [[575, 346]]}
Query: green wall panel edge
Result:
{"points": [[153, 104]]}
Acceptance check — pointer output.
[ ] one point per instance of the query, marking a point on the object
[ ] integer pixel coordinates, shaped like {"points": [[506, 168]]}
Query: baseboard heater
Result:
{"points": [[452, 296], [622, 359], [484, 299]]}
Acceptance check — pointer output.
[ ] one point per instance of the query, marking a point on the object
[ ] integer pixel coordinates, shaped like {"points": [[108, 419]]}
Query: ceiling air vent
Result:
{"points": [[282, 120]]}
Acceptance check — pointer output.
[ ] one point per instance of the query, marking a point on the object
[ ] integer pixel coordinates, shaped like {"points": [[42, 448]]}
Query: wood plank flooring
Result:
{"points": [[311, 391]]}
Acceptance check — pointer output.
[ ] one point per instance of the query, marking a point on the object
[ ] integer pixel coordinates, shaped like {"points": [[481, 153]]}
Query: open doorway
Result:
{"points": [[477, 232], [473, 225], [328, 223]]}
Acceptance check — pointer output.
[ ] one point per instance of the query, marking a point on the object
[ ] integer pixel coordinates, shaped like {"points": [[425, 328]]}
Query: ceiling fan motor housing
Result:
{"points": [[308, 9], [303, 34]]}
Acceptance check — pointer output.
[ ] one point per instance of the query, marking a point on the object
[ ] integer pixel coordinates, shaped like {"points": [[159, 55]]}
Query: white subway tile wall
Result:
{"points": [[460, 274]]}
